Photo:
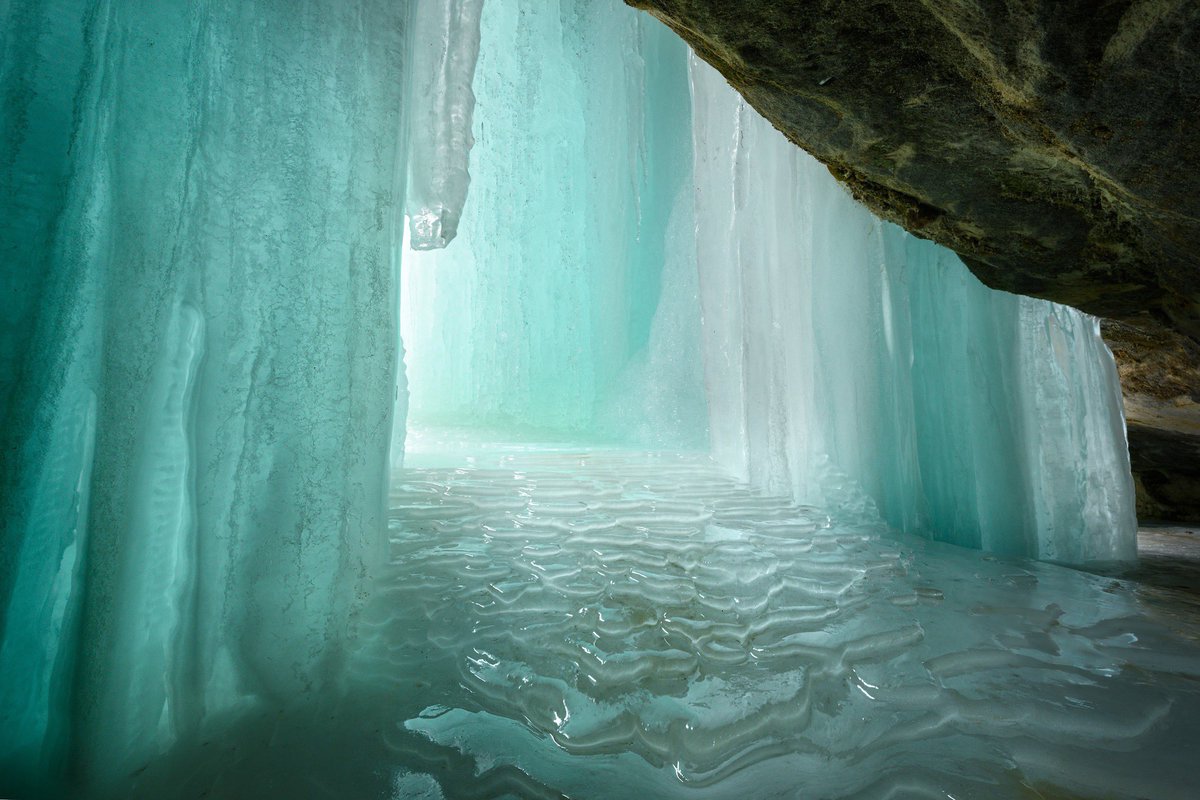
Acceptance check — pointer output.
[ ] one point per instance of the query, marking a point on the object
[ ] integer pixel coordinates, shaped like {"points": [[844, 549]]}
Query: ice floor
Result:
{"points": [[605, 624]]}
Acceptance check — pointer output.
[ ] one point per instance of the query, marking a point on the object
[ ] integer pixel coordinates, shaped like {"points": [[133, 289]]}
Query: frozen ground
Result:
{"points": [[607, 624]]}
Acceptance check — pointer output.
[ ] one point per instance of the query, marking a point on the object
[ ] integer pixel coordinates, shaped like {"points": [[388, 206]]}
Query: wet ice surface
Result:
{"points": [[605, 624], [638, 625]]}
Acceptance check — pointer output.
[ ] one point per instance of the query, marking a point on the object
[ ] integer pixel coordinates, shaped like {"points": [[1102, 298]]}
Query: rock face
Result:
{"points": [[1052, 143], [1160, 378]]}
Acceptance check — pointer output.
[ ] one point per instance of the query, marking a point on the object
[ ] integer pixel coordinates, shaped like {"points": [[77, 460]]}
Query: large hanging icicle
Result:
{"points": [[198, 359], [856, 366], [445, 46]]}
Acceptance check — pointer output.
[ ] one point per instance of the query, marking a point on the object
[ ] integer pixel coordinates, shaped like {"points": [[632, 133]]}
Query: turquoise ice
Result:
{"points": [[199, 207], [207, 272]]}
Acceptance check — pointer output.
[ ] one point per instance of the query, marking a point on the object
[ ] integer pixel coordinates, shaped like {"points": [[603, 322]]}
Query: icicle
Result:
{"points": [[445, 49]]}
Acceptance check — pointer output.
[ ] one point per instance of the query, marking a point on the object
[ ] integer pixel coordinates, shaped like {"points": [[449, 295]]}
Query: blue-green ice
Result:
{"points": [[476, 398]]}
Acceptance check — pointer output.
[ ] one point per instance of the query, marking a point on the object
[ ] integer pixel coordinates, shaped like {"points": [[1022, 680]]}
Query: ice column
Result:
{"points": [[445, 44], [197, 365], [857, 366]]}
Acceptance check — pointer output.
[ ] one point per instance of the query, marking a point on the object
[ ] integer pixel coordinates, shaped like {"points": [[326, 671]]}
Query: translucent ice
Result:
{"points": [[445, 47], [568, 302], [600, 624], [198, 354], [853, 365], [845, 361]]}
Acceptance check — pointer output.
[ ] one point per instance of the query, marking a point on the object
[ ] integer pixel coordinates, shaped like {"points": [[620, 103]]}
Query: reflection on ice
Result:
{"points": [[610, 623], [606, 624]]}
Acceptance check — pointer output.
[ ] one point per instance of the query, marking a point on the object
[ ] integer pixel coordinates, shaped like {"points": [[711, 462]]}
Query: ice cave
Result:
{"points": [[479, 398]]}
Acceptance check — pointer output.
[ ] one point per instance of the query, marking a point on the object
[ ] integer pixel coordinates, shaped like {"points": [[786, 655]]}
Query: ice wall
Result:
{"points": [[545, 316], [847, 362], [445, 46], [197, 356], [857, 366]]}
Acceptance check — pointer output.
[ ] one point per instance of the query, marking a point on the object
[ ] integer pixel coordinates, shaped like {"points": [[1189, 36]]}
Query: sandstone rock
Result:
{"points": [[1160, 378]]}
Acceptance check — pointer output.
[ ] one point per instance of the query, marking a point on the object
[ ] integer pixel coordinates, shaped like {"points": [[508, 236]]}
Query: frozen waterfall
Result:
{"points": [[856, 366], [201, 227], [845, 362], [567, 305]]}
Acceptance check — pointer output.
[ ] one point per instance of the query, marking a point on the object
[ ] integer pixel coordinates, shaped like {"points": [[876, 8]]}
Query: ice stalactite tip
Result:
{"points": [[445, 49]]}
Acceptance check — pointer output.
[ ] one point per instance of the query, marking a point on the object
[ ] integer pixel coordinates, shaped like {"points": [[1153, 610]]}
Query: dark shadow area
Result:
{"points": [[1167, 576]]}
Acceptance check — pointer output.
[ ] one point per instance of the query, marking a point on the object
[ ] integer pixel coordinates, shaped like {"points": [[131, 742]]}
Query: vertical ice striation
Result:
{"points": [[197, 365], [852, 364], [546, 315], [847, 362], [445, 44]]}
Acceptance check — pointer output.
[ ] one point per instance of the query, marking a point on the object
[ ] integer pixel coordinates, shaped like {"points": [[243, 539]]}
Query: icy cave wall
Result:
{"points": [[196, 232], [567, 306], [1052, 143], [603, 256], [859, 367]]}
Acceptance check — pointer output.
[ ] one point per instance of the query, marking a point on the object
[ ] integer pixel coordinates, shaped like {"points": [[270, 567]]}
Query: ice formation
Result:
{"points": [[598, 623], [845, 361], [854, 365], [200, 231], [445, 46], [198, 350], [579, 225]]}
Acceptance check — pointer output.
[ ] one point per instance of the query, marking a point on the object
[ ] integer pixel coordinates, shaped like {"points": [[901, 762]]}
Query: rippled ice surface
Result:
{"points": [[629, 625], [604, 624]]}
